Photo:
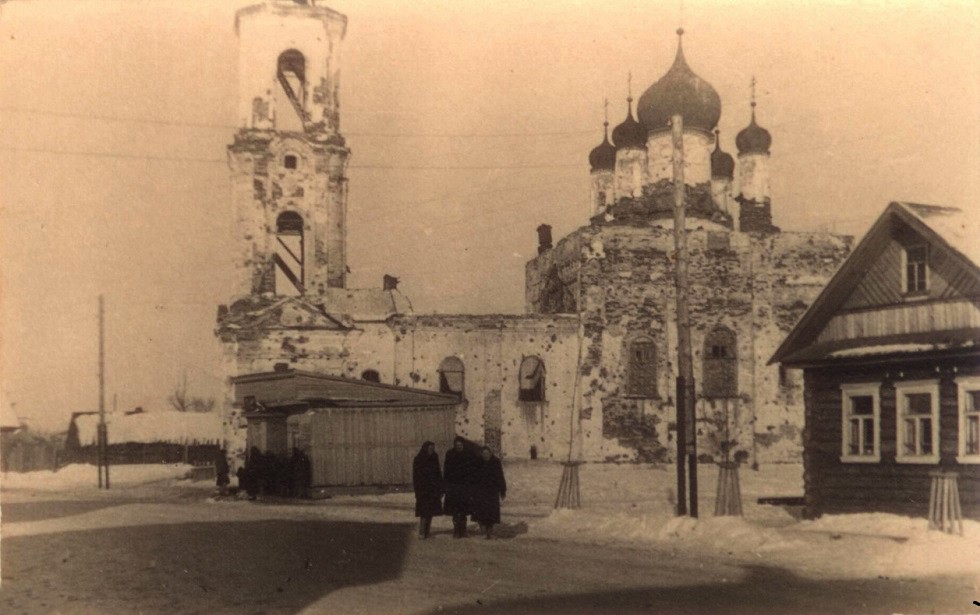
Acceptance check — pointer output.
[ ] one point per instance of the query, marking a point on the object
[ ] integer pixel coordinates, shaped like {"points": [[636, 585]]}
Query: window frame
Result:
{"points": [[963, 386], [912, 387], [862, 389], [632, 388], [924, 291], [442, 370], [543, 383]]}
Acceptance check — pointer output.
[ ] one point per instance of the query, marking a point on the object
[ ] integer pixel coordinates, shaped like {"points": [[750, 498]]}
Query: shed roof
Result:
{"points": [[295, 387]]}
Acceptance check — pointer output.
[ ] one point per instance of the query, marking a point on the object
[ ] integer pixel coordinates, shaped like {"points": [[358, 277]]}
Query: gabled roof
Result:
{"points": [[946, 228], [290, 388]]}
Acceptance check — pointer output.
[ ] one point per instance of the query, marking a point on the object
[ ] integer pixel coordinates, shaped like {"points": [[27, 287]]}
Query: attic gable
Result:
{"points": [[876, 278]]}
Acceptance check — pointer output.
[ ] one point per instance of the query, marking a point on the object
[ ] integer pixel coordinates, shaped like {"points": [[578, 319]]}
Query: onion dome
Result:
{"points": [[681, 92], [603, 156], [630, 133], [722, 164], [753, 139]]}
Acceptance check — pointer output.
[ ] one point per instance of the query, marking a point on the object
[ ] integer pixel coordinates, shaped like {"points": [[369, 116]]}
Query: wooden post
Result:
{"points": [[102, 455], [944, 503], [685, 368], [728, 497]]}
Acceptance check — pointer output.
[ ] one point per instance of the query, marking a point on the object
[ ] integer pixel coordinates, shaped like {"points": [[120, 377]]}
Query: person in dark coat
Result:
{"points": [[489, 490], [427, 482], [460, 474], [221, 471], [301, 474]]}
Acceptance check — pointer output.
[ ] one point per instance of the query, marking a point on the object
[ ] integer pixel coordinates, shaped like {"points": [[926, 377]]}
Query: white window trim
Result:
{"points": [[911, 387], [964, 384], [873, 390], [918, 294]]}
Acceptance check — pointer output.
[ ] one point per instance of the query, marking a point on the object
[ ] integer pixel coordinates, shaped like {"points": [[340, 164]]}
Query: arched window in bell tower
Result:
{"points": [[291, 74], [288, 256]]}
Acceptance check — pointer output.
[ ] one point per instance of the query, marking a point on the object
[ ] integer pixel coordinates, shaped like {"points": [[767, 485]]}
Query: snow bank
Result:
{"points": [[79, 476], [169, 426]]}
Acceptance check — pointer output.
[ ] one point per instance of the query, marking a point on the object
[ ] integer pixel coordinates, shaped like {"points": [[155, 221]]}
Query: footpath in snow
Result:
{"points": [[622, 505]]}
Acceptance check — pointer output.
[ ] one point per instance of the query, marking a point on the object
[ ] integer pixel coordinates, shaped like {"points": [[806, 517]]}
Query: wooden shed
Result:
{"points": [[355, 432], [890, 352]]}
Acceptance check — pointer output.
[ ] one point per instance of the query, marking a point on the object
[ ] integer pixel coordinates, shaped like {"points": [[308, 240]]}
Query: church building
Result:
{"points": [[589, 370]]}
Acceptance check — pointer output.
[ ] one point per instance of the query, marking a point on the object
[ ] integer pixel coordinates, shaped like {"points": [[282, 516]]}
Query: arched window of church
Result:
{"points": [[288, 257], [720, 377], [531, 380], [641, 379], [291, 74], [451, 376], [371, 375]]}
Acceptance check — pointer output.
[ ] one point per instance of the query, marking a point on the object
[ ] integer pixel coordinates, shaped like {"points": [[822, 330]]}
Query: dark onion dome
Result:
{"points": [[682, 92], [722, 164], [753, 139], [603, 157], [630, 133]]}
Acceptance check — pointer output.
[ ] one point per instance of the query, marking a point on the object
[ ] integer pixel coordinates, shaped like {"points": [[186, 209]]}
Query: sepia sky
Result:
{"points": [[470, 124]]}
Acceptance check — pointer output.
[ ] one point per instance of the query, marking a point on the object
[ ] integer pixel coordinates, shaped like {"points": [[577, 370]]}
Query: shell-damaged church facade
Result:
{"points": [[591, 364]]}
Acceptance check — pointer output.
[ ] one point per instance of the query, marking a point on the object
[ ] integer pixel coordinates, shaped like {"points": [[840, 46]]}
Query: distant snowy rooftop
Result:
{"points": [[167, 426]]}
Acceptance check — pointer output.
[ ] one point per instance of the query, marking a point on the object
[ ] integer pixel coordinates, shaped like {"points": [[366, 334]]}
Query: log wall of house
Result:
{"points": [[833, 486]]}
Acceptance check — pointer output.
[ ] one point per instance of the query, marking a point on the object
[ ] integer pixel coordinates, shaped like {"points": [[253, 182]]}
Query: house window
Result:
{"points": [[290, 161], [917, 422], [969, 412], [532, 380], [860, 423], [916, 269], [720, 377], [641, 378], [451, 376], [371, 375]]}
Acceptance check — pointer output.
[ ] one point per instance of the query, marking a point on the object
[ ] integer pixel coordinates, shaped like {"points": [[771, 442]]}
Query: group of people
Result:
{"points": [[472, 482], [271, 474]]}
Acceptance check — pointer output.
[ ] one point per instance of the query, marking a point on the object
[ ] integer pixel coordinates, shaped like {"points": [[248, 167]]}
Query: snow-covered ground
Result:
{"points": [[630, 506], [80, 477]]}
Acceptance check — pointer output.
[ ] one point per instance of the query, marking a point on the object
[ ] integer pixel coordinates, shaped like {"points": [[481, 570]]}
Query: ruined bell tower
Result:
{"points": [[288, 159]]}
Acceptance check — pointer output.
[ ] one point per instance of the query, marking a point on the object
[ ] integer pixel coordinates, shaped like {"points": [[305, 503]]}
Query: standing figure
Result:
{"points": [[301, 474], [460, 472], [221, 471], [490, 489], [427, 482]]}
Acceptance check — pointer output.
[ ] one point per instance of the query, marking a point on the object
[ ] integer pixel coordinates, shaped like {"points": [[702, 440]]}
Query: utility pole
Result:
{"points": [[686, 432], [103, 437]]}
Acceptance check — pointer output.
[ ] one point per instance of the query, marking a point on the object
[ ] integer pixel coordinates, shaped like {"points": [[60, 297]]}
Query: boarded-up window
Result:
{"points": [[641, 379], [718, 240], [451, 376], [720, 377], [532, 380]]}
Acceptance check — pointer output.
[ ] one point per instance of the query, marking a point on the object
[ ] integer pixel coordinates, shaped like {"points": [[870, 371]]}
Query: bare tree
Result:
{"points": [[183, 402]]}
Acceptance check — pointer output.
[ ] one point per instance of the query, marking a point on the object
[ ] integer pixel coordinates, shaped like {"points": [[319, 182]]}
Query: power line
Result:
{"points": [[373, 167], [406, 135]]}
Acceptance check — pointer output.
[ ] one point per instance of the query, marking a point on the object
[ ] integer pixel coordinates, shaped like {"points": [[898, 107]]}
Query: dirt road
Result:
{"points": [[197, 557]]}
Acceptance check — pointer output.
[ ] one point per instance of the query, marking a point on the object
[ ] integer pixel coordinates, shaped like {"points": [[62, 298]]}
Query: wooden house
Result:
{"points": [[355, 432], [890, 352]]}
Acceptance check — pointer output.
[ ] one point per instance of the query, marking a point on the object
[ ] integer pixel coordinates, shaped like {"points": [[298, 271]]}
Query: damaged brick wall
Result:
{"points": [[755, 286]]}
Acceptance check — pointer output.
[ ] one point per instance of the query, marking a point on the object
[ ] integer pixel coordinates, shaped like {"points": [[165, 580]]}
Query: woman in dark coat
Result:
{"points": [[427, 482], [460, 472], [490, 489]]}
